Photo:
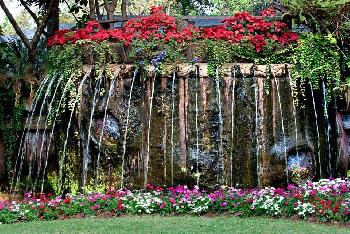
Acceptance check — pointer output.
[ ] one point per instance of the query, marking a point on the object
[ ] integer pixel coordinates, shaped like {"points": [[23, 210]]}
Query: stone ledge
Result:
{"points": [[183, 70]]}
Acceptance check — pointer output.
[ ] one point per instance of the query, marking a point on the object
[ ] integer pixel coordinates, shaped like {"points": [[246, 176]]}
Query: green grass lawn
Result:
{"points": [[183, 224]]}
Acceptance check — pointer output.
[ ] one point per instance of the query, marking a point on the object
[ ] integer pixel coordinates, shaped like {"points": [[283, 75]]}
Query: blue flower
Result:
{"points": [[195, 60]]}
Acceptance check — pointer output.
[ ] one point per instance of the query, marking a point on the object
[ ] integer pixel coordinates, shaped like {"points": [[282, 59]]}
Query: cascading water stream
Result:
{"points": [[43, 105], [282, 123], [86, 154], [257, 123], [29, 120], [232, 124], [45, 129], [197, 129], [54, 125], [77, 98], [102, 131], [317, 129], [149, 131], [126, 129], [172, 127], [325, 112], [218, 97], [294, 115]]}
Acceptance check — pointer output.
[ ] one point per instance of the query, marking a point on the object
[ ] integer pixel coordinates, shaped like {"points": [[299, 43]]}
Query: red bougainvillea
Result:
{"points": [[241, 27]]}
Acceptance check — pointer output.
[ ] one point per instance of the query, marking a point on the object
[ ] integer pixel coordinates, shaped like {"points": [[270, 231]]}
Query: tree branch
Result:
{"points": [[15, 25], [40, 29], [33, 15]]}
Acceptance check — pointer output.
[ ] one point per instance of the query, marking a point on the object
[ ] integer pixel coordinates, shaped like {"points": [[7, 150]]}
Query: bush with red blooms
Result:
{"points": [[241, 28]]}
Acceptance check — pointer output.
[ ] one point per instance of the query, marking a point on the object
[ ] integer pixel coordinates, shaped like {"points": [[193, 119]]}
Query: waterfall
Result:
{"points": [[317, 129], [217, 82], [77, 98], [172, 127], [149, 131], [86, 152], [102, 130], [126, 129], [45, 128], [48, 90], [282, 123], [325, 112], [197, 129], [232, 124], [29, 119]]}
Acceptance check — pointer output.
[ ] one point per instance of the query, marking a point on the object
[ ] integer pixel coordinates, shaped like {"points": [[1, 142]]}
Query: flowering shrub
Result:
{"points": [[326, 200], [158, 31]]}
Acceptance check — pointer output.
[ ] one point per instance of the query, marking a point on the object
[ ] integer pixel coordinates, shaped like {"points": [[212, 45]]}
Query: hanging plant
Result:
{"points": [[316, 60]]}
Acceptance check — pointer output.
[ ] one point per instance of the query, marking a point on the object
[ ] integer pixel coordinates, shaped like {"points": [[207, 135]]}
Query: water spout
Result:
{"points": [[221, 122], [86, 151], [172, 127], [45, 129], [197, 129], [294, 114], [232, 124], [149, 132], [29, 120], [317, 129], [48, 90], [111, 87], [282, 123], [77, 98], [325, 112], [126, 129]]}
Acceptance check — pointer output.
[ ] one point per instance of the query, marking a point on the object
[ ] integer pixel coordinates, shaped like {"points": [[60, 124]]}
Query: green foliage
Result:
{"points": [[228, 7], [316, 60], [163, 57], [217, 53], [322, 16]]}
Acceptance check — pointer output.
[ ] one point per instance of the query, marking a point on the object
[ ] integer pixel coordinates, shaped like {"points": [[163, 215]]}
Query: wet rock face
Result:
{"points": [[261, 128], [110, 126], [241, 131]]}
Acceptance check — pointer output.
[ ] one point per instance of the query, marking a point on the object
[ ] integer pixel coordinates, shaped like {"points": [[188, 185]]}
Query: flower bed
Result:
{"points": [[326, 201]]}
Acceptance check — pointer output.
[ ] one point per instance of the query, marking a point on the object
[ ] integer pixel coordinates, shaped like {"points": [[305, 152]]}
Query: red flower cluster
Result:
{"points": [[158, 25], [256, 30]]}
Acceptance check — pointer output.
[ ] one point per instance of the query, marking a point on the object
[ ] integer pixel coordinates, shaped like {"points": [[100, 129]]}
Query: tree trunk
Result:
{"points": [[54, 21], [92, 8], [110, 8]]}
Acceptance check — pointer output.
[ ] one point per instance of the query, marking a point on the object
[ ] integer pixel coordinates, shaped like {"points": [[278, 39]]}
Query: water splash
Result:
{"points": [[126, 128], [325, 112], [29, 120], [172, 127], [43, 105], [218, 97], [197, 129], [102, 131], [232, 123], [77, 98], [317, 129], [282, 123], [149, 132]]}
